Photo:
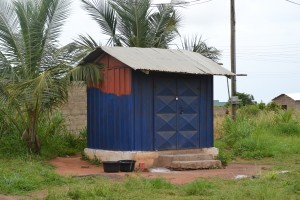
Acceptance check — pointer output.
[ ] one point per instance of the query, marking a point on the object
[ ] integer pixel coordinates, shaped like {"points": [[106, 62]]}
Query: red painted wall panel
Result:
{"points": [[116, 76]]}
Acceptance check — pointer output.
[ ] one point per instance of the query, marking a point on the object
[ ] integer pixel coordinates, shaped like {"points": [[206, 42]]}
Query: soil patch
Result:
{"points": [[74, 166]]}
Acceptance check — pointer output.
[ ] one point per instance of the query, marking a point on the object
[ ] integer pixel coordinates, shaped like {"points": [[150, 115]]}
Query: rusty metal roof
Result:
{"points": [[163, 60]]}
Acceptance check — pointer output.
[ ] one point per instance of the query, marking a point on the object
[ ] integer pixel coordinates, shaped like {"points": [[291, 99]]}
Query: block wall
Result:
{"points": [[75, 110]]}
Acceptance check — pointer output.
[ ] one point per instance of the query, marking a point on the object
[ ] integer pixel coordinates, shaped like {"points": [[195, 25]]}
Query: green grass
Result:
{"points": [[22, 176], [54, 138], [258, 136]]}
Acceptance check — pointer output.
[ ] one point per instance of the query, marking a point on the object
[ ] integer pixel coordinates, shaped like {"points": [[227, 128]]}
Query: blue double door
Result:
{"points": [[176, 113]]}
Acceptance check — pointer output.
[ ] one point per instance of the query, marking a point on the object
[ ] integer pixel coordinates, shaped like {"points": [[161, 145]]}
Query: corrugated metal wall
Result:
{"points": [[120, 110], [206, 112]]}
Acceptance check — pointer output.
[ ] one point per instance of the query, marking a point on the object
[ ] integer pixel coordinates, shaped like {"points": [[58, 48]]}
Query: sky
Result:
{"points": [[267, 41]]}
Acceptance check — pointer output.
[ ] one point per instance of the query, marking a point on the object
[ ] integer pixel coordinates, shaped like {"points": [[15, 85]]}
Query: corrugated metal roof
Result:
{"points": [[164, 60], [295, 96]]}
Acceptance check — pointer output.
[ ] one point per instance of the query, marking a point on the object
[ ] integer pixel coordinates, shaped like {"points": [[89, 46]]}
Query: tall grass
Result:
{"points": [[53, 135], [260, 133]]}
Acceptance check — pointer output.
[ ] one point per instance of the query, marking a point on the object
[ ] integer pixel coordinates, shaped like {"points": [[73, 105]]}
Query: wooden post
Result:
{"points": [[233, 57]]}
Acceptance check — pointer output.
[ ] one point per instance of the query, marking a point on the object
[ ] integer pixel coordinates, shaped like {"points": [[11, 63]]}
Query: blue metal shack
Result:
{"points": [[151, 99]]}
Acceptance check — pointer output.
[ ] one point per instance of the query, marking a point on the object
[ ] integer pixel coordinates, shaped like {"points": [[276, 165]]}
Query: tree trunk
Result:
{"points": [[30, 135]]}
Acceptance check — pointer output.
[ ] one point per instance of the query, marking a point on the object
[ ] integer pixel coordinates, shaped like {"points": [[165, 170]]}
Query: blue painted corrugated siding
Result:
{"points": [[142, 89], [206, 111], [126, 122], [110, 120]]}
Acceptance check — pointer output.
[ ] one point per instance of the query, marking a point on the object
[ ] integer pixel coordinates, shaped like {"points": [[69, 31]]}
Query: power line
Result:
{"points": [[293, 2]]}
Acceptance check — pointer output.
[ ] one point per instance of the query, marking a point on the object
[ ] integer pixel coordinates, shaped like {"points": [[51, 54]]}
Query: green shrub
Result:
{"points": [[284, 116], [261, 106], [272, 106], [234, 131], [254, 147], [11, 145], [224, 157], [288, 128], [54, 138], [258, 134], [250, 110]]}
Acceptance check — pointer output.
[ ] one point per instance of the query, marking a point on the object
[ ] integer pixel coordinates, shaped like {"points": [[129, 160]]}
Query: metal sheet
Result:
{"points": [[126, 122], [110, 121], [188, 113], [163, 60]]}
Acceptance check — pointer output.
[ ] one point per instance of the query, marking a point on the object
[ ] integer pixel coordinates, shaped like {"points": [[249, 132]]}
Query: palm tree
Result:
{"points": [[133, 23], [34, 71], [196, 44]]}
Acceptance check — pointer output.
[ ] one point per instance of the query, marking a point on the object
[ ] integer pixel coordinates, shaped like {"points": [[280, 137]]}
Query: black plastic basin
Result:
{"points": [[127, 165], [111, 166]]}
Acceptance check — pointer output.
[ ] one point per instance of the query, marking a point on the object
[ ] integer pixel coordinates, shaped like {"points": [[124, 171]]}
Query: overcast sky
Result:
{"points": [[268, 41]]}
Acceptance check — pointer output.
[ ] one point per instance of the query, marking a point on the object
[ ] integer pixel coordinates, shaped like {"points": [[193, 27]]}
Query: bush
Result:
{"points": [[288, 128], [234, 131], [254, 147], [53, 135], [251, 110], [258, 134], [56, 140], [224, 157], [272, 106]]}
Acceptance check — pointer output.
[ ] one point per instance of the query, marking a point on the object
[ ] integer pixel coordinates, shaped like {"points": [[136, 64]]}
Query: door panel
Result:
{"points": [[188, 113], [176, 110], [165, 111]]}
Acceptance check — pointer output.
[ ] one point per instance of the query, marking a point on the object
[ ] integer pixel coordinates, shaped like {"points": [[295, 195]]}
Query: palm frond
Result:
{"points": [[133, 23], [87, 42], [57, 14], [88, 72], [105, 16], [9, 28], [164, 25], [196, 44]]}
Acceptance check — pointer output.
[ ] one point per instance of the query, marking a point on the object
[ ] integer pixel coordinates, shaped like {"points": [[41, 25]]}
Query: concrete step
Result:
{"points": [[188, 157], [196, 164], [166, 160]]}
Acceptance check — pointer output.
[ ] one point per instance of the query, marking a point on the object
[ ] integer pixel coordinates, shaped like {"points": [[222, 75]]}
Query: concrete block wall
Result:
{"points": [[75, 110]]}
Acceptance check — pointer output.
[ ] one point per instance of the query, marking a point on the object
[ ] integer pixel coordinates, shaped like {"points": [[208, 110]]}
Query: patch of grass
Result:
{"points": [[22, 176], [199, 188], [260, 135]]}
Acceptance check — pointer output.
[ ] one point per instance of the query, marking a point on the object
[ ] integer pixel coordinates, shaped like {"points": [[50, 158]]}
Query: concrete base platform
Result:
{"points": [[147, 158], [196, 164]]}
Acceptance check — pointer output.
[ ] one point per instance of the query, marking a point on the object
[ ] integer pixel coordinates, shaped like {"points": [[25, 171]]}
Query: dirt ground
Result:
{"points": [[74, 166]]}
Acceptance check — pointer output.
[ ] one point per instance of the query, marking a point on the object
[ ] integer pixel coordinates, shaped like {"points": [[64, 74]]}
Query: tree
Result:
{"points": [[34, 71], [196, 44], [133, 23], [246, 99]]}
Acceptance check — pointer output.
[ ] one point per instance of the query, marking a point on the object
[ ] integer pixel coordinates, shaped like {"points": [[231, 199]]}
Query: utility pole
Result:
{"points": [[233, 60]]}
